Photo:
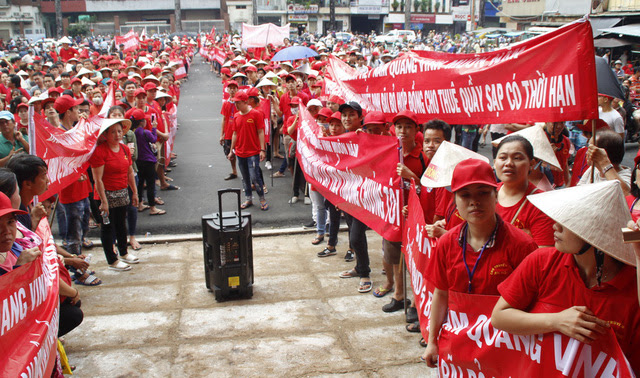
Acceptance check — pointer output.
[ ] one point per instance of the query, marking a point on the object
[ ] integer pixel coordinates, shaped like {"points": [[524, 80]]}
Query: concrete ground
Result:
{"points": [[159, 320]]}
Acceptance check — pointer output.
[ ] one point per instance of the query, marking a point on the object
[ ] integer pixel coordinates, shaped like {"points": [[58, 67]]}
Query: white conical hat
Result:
{"points": [[264, 82], [150, 77], [303, 69], [440, 170], [542, 149], [65, 40], [270, 75], [86, 81], [239, 74], [594, 212], [108, 122], [84, 71]]}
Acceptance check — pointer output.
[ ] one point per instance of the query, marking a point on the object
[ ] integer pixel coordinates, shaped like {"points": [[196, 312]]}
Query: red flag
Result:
{"points": [[130, 41]]}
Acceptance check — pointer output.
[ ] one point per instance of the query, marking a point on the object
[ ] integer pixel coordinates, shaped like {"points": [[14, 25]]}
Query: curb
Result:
{"points": [[198, 236]]}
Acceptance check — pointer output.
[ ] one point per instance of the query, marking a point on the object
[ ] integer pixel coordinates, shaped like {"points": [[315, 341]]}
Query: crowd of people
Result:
{"points": [[501, 229], [67, 87]]}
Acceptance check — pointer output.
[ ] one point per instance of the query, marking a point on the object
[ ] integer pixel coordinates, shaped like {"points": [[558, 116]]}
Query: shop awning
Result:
{"points": [[514, 34], [609, 43], [598, 24], [632, 30]]}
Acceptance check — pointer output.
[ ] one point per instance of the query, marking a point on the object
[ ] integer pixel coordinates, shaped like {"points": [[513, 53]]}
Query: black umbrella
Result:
{"points": [[607, 82]]}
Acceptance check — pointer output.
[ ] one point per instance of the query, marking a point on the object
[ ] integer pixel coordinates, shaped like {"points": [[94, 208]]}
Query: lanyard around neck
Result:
{"points": [[471, 272]]}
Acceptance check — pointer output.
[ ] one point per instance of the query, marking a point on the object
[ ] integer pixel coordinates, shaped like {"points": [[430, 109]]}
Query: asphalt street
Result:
{"points": [[202, 167]]}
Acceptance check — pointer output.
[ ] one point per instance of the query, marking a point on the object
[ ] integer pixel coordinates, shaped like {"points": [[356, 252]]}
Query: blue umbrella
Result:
{"points": [[294, 53]]}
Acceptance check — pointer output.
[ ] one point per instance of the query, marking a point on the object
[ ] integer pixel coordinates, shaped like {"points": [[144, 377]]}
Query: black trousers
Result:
{"points": [[70, 317], [118, 222], [147, 173]]}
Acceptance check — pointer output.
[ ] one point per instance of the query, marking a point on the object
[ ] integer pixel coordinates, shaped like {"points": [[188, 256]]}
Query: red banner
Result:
{"points": [[180, 72], [130, 41], [29, 321], [219, 55], [355, 172], [418, 248], [469, 346], [527, 82], [66, 153]]}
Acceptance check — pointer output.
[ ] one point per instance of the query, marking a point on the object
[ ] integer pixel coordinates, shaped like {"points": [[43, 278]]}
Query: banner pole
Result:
{"points": [[32, 139], [593, 136]]}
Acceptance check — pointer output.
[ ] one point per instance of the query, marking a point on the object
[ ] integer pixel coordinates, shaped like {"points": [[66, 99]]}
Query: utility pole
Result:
{"points": [[407, 14], [178, 13], [58, 6], [254, 12], [332, 15], [473, 15]]}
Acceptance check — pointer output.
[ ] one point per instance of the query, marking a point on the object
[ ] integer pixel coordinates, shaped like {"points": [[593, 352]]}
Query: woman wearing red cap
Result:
{"points": [[466, 256]]}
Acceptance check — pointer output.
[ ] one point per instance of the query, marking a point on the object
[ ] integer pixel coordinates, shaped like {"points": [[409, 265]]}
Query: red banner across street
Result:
{"points": [[526, 82], [29, 313], [355, 172]]}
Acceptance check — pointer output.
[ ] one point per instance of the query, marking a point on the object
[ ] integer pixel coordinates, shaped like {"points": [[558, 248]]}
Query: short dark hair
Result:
{"points": [[65, 74], [26, 167], [127, 83], [613, 143], [8, 181], [37, 73], [438, 124], [528, 148], [15, 80]]}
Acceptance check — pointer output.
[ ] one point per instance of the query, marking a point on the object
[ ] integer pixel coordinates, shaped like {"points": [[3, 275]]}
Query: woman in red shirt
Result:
{"points": [[581, 287], [514, 161], [111, 165], [467, 255]]}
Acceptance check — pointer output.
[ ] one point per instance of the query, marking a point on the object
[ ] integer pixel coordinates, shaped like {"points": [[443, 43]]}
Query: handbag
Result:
{"points": [[117, 198]]}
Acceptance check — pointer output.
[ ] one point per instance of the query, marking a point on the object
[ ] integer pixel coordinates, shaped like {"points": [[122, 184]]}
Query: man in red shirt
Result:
{"points": [[66, 51], [228, 111], [248, 145]]}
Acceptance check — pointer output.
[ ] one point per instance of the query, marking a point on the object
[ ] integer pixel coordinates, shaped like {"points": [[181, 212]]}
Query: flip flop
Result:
{"points": [[246, 204], [159, 212], [413, 327], [264, 206], [365, 287], [159, 201], [171, 187], [381, 292], [349, 274], [89, 281], [87, 244], [143, 208]]}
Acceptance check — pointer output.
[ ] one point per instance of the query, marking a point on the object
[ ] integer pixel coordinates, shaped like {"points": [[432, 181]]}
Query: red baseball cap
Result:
{"points": [[295, 100], [336, 99], [251, 69], [139, 91], [76, 80], [472, 171], [240, 96], [150, 87], [325, 112], [225, 71], [375, 117], [66, 102], [337, 116], [5, 206], [135, 114], [232, 82], [406, 114], [253, 92]]}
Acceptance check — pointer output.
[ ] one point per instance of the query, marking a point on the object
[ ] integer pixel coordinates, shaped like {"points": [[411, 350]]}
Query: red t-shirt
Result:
{"points": [[66, 54], [76, 191], [451, 214], [579, 166], [285, 100], [635, 214], [562, 153], [550, 277], [413, 161], [531, 219], [246, 128], [509, 248], [116, 165], [228, 110]]}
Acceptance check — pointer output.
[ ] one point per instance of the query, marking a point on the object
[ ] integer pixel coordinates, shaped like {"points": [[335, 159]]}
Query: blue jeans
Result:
{"points": [[467, 139], [62, 222], [77, 216], [251, 173], [321, 211]]}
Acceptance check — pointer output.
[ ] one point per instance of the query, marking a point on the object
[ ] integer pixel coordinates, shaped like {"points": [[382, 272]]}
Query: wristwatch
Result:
{"points": [[607, 168]]}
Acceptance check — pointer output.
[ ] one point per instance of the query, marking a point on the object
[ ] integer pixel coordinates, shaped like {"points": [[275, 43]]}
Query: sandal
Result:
{"points": [[413, 327], [349, 274], [246, 204], [136, 247], [319, 239], [91, 280], [159, 212], [87, 243], [171, 187], [365, 286], [423, 343], [159, 201], [381, 292], [143, 207], [264, 206]]}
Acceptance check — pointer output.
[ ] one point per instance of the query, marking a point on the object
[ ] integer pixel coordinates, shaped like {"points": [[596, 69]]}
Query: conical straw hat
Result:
{"points": [[542, 149], [440, 170], [594, 212]]}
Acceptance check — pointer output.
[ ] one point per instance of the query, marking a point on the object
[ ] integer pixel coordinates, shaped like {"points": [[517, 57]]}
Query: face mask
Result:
{"points": [[97, 101], [294, 111]]}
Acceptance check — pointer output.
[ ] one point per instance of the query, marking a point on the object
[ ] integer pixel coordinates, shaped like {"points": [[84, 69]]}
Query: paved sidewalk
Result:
{"points": [[159, 320]]}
